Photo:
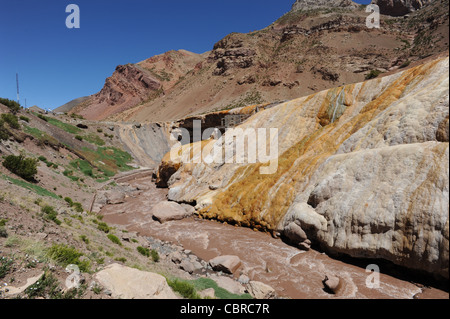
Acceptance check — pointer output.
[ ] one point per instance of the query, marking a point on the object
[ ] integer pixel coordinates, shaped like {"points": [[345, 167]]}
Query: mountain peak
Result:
{"points": [[315, 4]]}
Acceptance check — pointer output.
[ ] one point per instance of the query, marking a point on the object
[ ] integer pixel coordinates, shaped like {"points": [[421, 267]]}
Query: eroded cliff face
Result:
{"points": [[362, 169], [400, 7]]}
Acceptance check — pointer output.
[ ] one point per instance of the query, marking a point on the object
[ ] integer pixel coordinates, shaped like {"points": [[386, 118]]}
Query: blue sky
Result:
{"points": [[57, 64]]}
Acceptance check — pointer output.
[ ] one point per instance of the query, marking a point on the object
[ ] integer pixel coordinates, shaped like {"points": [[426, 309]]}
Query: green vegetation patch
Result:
{"points": [[11, 119], [65, 255], [109, 160], [94, 139], [13, 106], [114, 239], [21, 166], [37, 189], [69, 128], [50, 214], [221, 293], [373, 74]]}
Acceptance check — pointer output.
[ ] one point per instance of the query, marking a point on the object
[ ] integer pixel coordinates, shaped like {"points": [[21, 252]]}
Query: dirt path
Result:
{"points": [[293, 273]]}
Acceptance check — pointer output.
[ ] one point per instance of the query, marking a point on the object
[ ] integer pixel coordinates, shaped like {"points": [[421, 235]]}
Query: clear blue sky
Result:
{"points": [[56, 64]]}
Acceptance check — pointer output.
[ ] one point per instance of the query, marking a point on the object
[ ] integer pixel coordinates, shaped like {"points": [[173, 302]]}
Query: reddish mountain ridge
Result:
{"points": [[310, 49]]}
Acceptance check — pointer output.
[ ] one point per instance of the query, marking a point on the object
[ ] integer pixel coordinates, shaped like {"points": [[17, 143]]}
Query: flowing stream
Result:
{"points": [[292, 272]]}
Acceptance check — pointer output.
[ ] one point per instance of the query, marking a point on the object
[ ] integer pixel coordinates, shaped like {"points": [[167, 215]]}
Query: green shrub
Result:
{"points": [[12, 120], [21, 166], [84, 239], [13, 106], [405, 64], [155, 256], [143, 251], [184, 288], [50, 214], [4, 133], [42, 159], [24, 118], [78, 207], [121, 259], [373, 74], [3, 222], [46, 287], [78, 137], [5, 266], [3, 232], [114, 239], [103, 227], [64, 256], [42, 117], [69, 201]]}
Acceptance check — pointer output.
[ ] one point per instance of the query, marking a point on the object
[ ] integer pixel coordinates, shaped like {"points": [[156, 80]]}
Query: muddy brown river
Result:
{"points": [[291, 272]]}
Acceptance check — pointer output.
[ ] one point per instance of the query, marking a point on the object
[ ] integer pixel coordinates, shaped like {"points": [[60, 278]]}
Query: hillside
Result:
{"points": [[324, 149], [303, 52]]}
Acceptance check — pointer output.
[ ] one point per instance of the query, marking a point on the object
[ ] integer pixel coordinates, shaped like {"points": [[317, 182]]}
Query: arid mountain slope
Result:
{"points": [[303, 52], [362, 169], [135, 84]]}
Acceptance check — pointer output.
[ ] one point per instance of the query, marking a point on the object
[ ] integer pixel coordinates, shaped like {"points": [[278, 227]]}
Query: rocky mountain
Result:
{"points": [[311, 4], [303, 52], [362, 170], [400, 7], [134, 84]]}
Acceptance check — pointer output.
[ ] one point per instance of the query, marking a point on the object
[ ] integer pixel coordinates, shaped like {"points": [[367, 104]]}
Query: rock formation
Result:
{"points": [[315, 4], [361, 171], [400, 7], [129, 283]]}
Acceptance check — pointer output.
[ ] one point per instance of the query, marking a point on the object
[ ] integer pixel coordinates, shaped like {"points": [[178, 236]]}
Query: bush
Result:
{"points": [[185, 289], [42, 117], [69, 201], [65, 256], [114, 239], [51, 214], [103, 227], [21, 166], [144, 251], [3, 232], [24, 118], [155, 256], [13, 106], [78, 207], [373, 74], [5, 266], [84, 239], [12, 120], [78, 137], [4, 133]]}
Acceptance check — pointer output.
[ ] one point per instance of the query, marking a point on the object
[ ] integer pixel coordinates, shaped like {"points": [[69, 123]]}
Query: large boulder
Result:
{"points": [[227, 264], [167, 211], [295, 233], [129, 283], [259, 290]]}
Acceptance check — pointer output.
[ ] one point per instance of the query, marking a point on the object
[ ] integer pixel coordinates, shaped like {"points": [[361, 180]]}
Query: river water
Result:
{"points": [[291, 272]]}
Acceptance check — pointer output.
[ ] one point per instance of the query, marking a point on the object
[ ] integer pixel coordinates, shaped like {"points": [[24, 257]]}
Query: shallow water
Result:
{"points": [[291, 272]]}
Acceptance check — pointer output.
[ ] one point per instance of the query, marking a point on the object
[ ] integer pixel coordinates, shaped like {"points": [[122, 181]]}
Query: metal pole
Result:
{"points": [[17, 82]]}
